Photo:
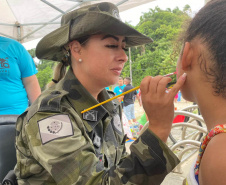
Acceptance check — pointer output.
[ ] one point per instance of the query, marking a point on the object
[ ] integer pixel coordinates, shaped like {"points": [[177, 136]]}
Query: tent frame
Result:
{"points": [[19, 26]]}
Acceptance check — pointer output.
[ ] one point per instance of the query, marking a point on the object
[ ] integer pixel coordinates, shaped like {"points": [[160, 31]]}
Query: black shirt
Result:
{"points": [[129, 98]]}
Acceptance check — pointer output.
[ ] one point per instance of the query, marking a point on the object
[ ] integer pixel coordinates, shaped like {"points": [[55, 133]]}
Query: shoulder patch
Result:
{"points": [[55, 127], [117, 123], [111, 93]]}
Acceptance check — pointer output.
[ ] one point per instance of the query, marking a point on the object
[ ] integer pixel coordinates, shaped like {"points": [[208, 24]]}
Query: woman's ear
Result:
{"points": [[187, 56], [75, 47]]}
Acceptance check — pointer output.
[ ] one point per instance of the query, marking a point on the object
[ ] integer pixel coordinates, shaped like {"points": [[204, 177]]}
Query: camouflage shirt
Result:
{"points": [[56, 144]]}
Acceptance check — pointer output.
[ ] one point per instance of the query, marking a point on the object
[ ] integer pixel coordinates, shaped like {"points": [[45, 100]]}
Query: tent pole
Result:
{"points": [[51, 21], [121, 2], [130, 66], [18, 27]]}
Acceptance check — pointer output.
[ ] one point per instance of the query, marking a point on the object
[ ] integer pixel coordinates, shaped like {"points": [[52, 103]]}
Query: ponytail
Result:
{"points": [[58, 73], [61, 68]]}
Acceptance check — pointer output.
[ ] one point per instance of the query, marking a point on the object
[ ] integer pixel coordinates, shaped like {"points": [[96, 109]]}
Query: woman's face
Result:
{"points": [[103, 58]]}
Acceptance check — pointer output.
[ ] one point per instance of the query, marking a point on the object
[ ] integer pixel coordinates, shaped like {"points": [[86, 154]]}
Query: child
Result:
{"points": [[203, 59]]}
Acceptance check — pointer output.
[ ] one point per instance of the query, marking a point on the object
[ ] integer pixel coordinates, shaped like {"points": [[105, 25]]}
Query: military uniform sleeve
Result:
{"points": [[149, 162], [70, 158]]}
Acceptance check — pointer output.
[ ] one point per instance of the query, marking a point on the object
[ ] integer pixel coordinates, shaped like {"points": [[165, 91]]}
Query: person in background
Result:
{"points": [[144, 118], [57, 144], [128, 101], [19, 84], [119, 89], [179, 97], [107, 88]]}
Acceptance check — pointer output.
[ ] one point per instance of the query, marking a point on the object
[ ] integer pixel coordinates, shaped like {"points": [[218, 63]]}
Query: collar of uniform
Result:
{"points": [[81, 99]]}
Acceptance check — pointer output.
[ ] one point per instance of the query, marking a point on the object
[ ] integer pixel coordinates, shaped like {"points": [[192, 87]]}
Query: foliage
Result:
{"points": [[32, 53], [45, 70], [44, 76], [159, 57]]}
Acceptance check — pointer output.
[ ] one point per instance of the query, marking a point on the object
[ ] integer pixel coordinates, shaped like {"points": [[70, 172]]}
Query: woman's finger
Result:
{"points": [[144, 85], [162, 85], [154, 84], [180, 82]]}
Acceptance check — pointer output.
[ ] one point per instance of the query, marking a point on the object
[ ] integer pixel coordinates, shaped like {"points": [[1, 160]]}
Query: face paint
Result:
{"points": [[170, 74], [170, 85]]}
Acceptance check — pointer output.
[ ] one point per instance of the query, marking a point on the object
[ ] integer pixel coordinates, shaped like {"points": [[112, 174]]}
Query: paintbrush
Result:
{"points": [[135, 88]]}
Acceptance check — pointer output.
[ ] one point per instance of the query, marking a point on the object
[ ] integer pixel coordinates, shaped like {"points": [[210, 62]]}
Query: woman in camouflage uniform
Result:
{"points": [[56, 144]]}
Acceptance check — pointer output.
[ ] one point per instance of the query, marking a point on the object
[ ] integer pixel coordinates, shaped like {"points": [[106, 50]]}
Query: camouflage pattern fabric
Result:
{"points": [[56, 144]]}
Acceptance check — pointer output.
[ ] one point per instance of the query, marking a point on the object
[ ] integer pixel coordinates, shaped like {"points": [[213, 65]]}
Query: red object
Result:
{"points": [[178, 119], [170, 74]]}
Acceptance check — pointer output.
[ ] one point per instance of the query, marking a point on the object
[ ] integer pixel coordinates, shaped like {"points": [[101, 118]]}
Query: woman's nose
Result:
{"points": [[123, 56]]}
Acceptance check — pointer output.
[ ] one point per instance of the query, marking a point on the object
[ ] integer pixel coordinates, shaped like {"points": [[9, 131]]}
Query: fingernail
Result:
{"points": [[183, 77]]}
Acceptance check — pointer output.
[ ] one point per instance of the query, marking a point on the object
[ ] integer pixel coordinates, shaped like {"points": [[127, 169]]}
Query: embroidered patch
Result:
{"points": [[90, 115], [97, 141], [115, 13], [117, 123], [55, 127]]}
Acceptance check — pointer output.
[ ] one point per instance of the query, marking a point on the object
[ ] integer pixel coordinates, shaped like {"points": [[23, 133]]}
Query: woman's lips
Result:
{"points": [[117, 70]]}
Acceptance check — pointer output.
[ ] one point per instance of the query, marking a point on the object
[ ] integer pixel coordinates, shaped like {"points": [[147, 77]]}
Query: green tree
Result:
{"points": [[160, 57], [32, 53], [45, 70], [44, 76]]}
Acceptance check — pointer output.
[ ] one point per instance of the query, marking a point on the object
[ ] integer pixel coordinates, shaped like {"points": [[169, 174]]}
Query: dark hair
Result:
{"points": [[83, 40], [209, 25], [128, 79], [61, 68]]}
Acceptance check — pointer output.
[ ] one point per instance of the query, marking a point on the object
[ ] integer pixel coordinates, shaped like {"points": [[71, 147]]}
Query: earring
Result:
{"points": [[80, 60]]}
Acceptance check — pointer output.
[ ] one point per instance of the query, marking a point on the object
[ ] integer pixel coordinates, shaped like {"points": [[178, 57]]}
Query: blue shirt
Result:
{"points": [[15, 63], [117, 89]]}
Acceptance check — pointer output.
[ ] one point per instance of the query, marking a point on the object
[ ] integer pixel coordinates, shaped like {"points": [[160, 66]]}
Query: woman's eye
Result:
{"points": [[125, 49], [116, 46], [112, 46]]}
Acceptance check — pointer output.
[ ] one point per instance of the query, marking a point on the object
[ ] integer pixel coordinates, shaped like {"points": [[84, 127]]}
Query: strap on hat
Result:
{"points": [[55, 81], [66, 60]]}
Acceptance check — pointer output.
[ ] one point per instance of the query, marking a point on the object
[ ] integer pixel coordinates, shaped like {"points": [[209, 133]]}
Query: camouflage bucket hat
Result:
{"points": [[88, 20]]}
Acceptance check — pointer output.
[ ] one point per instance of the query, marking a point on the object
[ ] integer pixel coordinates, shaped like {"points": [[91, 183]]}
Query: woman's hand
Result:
{"points": [[158, 104]]}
